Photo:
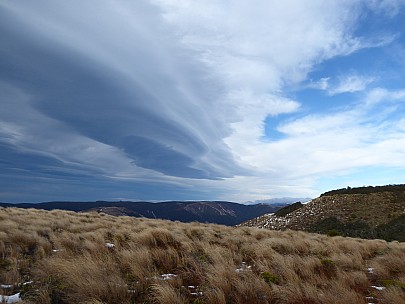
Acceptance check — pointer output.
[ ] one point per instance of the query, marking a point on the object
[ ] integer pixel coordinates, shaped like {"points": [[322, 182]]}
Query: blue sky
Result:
{"points": [[226, 100]]}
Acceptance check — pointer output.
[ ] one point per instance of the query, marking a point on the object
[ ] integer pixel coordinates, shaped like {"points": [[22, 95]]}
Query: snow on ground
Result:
{"points": [[10, 299], [244, 267], [167, 276], [163, 277], [193, 290]]}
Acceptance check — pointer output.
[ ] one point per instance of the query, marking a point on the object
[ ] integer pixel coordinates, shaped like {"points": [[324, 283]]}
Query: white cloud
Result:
{"points": [[378, 95], [321, 84], [344, 84], [388, 7], [325, 145], [256, 49], [263, 44], [199, 78], [350, 84]]}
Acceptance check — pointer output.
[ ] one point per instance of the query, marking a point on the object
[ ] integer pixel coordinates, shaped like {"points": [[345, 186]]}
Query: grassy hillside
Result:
{"points": [[66, 257], [367, 212]]}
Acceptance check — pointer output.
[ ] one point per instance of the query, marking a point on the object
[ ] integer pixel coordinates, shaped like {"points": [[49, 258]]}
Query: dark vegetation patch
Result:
{"points": [[394, 230], [366, 190], [288, 209]]}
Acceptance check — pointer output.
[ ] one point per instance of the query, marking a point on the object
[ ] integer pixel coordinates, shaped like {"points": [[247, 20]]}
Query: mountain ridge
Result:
{"points": [[218, 212]]}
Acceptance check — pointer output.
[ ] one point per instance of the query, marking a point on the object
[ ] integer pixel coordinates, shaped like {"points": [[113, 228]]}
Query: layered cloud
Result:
{"points": [[172, 98]]}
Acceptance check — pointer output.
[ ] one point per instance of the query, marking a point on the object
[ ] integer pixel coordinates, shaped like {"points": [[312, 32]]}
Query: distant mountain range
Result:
{"points": [[218, 212], [367, 212], [279, 200]]}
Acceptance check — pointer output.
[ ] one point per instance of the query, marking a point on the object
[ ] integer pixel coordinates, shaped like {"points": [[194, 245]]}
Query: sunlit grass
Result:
{"points": [[67, 257]]}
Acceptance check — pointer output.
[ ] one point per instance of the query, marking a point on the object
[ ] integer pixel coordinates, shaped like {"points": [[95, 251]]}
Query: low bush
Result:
{"points": [[270, 278]]}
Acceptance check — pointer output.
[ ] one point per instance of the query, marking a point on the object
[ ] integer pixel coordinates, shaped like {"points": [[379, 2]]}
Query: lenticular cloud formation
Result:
{"points": [[184, 99]]}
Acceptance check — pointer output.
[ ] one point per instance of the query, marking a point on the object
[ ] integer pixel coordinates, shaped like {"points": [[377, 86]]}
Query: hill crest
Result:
{"points": [[370, 212]]}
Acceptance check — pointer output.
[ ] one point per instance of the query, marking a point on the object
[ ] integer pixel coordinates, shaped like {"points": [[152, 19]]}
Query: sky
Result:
{"points": [[199, 100]]}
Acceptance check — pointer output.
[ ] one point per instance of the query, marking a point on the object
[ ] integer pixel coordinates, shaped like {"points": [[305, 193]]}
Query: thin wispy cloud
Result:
{"points": [[183, 100], [347, 84], [378, 95], [351, 84]]}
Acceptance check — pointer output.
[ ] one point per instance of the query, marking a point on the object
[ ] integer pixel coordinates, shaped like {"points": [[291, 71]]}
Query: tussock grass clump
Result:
{"points": [[60, 257]]}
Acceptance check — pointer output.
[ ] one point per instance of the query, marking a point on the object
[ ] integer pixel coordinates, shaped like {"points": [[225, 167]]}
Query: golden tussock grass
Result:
{"points": [[59, 257]]}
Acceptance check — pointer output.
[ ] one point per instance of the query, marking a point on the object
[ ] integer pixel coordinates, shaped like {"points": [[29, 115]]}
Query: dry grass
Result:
{"points": [[65, 258]]}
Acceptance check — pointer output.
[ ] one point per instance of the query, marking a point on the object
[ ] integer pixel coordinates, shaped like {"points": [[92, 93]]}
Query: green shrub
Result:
{"points": [[328, 263], [288, 209], [334, 232], [388, 283], [328, 268], [270, 278], [5, 264]]}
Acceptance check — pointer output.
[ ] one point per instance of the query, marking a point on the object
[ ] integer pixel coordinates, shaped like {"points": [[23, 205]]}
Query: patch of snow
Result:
{"points": [[193, 290], [167, 276], [198, 293], [6, 286], [378, 287], [110, 245], [243, 267], [370, 270], [163, 277], [10, 299]]}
